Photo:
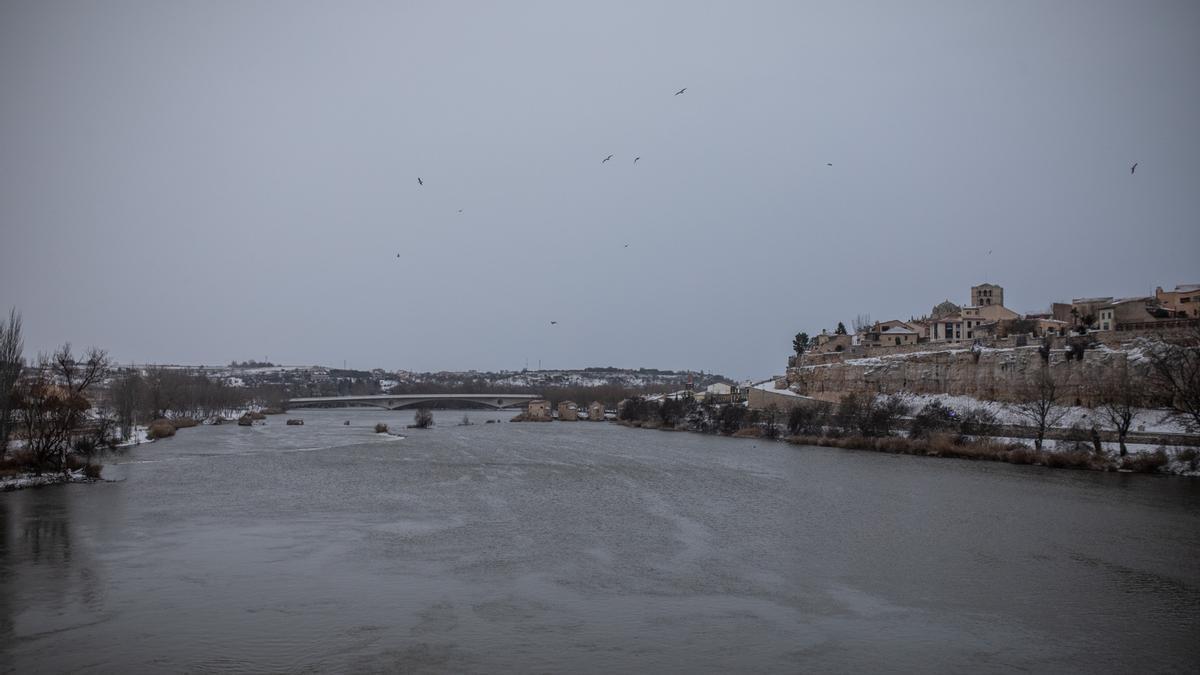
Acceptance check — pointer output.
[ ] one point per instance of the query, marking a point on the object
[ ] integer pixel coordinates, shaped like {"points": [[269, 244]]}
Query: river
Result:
{"points": [[589, 548]]}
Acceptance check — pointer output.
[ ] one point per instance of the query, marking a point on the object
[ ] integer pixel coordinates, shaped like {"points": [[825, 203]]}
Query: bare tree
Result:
{"points": [[275, 397], [861, 323], [11, 364], [1119, 395], [1175, 376], [422, 419], [770, 420], [868, 415], [1039, 404], [154, 404], [125, 393], [52, 408]]}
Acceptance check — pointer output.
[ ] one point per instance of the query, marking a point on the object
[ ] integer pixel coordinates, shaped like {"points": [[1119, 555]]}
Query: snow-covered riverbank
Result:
{"points": [[1147, 420], [29, 480]]}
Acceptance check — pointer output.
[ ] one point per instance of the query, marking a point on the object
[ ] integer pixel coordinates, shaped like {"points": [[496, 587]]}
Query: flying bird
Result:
{"points": [[681, 91], [460, 210], [635, 159], [1133, 168], [626, 245], [606, 159], [553, 323], [828, 163], [419, 181]]}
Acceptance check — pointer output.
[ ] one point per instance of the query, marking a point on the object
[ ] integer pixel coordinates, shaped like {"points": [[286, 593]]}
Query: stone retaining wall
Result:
{"points": [[994, 375]]}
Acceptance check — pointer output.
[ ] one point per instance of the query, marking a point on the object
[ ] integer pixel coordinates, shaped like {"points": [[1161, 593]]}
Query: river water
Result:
{"points": [[589, 548]]}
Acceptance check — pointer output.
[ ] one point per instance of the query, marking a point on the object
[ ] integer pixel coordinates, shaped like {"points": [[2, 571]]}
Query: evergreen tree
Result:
{"points": [[841, 329], [800, 343]]}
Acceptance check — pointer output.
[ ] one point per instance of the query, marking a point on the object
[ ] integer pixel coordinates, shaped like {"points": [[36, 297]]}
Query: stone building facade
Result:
{"points": [[1185, 298], [568, 411], [831, 342], [892, 333], [987, 294], [538, 409]]}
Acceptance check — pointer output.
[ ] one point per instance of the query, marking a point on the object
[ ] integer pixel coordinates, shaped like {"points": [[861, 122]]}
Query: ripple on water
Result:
{"points": [[556, 548]]}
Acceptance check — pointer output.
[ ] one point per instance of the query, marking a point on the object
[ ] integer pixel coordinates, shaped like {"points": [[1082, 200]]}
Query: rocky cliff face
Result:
{"points": [[993, 374]]}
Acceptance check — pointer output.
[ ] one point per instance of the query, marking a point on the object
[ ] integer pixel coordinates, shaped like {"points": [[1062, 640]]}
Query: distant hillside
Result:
{"points": [[604, 383], [586, 377]]}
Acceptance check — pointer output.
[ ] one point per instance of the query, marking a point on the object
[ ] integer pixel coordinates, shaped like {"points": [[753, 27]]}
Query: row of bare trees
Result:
{"points": [[1119, 398], [53, 408], [1172, 383], [140, 396], [48, 404]]}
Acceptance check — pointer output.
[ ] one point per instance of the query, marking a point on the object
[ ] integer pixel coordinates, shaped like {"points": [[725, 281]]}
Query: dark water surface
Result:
{"points": [[590, 547]]}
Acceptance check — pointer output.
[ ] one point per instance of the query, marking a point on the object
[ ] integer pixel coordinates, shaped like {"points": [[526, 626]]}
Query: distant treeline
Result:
{"points": [[609, 394], [137, 397]]}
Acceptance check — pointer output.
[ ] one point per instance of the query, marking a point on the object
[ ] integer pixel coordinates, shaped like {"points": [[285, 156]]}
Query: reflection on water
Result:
{"points": [[46, 537], [554, 547], [51, 584], [8, 559]]}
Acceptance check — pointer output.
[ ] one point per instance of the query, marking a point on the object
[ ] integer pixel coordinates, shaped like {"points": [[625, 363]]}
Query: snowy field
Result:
{"points": [[1149, 420]]}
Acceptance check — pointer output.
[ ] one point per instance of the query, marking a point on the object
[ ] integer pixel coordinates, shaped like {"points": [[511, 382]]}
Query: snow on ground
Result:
{"points": [[769, 385], [654, 398], [137, 436], [1148, 419], [585, 378], [880, 360], [1111, 447], [28, 480]]}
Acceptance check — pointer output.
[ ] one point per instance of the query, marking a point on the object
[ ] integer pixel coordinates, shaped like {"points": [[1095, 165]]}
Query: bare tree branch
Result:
{"points": [[1175, 375], [11, 365], [1039, 404], [1119, 396]]}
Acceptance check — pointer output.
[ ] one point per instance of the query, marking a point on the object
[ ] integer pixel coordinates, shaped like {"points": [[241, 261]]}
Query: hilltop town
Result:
{"points": [[987, 351], [986, 320]]}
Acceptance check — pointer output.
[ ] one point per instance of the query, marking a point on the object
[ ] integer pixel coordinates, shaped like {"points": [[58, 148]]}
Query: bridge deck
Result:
{"points": [[394, 401], [423, 397]]}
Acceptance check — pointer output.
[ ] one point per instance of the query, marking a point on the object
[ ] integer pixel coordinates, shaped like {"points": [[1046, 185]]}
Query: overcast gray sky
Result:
{"points": [[195, 182]]}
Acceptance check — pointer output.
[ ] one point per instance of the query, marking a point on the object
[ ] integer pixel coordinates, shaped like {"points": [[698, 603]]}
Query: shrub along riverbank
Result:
{"points": [[15, 473], [997, 451], [884, 424]]}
